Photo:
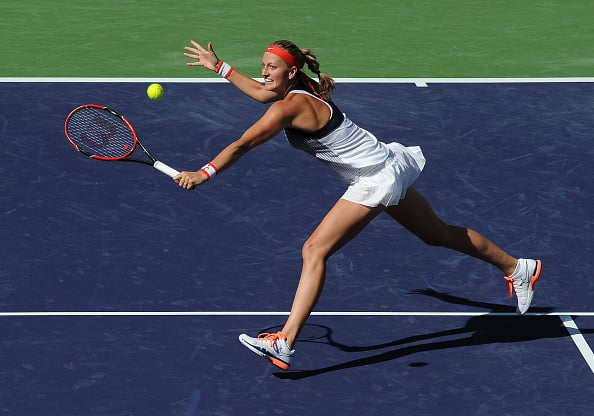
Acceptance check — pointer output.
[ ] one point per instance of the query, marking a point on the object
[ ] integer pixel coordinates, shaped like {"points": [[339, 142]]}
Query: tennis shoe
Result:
{"points": [[522, 281], [273, 347]]}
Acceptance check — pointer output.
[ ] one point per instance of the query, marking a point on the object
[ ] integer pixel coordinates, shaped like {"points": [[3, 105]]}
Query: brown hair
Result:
{"points": [[326, 84]]}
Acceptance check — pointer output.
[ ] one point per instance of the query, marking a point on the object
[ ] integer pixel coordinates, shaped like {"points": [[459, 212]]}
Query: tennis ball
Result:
{"points": [[154, 91]]}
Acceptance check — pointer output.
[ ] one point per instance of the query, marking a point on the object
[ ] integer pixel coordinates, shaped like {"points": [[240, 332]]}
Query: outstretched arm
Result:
{"points": [[274, 120], [209, 60]]}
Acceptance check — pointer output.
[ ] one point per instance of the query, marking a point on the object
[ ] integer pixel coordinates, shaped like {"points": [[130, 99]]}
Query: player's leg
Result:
{"points": [[344, 221], [416, 215]]}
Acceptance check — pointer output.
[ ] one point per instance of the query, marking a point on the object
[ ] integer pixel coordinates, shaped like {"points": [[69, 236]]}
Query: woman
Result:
{"points": [[379, 178]]}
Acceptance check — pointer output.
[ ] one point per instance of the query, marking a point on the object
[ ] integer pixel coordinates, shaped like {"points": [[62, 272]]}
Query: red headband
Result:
{"points": [[284, 55]]}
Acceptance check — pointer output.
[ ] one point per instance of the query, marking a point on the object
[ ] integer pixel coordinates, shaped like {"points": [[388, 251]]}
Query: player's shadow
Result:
{"points": [[479, 330]]}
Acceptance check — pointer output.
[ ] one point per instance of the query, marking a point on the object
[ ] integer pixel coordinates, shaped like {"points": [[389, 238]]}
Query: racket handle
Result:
{"points": [[167, 170]]}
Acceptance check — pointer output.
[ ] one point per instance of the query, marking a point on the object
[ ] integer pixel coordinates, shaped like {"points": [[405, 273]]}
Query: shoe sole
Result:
{"points": [[532, 283], [275, 361]]}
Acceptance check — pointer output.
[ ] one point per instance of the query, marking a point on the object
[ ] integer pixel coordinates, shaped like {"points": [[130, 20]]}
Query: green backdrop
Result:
{"points": [[397, 38]]}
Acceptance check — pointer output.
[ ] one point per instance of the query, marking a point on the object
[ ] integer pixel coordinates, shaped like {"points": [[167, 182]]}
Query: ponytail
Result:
{"points": [[326, 83]]}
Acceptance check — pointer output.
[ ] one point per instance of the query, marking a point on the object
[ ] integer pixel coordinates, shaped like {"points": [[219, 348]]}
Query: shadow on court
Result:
{"points": [[479, 330]]}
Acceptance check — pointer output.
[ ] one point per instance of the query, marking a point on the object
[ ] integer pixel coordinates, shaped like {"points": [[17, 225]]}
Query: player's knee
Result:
{"points": [[438, 237], [311, 250], [434, 241], [446, 236]]}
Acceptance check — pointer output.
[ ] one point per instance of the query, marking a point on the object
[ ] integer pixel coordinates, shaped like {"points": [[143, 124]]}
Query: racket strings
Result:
{"points": [[100, 133]]}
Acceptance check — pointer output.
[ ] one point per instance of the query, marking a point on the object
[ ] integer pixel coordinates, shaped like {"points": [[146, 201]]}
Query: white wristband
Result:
{"points": [[209, 170], [224, 69]]}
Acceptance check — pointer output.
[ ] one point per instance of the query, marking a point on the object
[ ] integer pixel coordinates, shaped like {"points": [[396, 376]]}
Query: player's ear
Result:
{"points": [[293, 72]]}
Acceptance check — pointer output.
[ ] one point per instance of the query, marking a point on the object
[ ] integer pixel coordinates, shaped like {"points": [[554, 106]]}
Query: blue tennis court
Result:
{"points": [[121, 294]]}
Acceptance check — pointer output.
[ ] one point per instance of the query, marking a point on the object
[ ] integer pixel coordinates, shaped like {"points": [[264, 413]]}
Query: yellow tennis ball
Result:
{"points": [[154, 91]]}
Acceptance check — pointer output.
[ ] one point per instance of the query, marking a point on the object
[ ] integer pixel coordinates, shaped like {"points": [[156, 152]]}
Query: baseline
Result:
{"points": [[419, 82], [284, 313]]}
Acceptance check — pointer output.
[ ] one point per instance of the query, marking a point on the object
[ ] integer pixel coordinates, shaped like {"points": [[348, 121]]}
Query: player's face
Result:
{"points": [[276, 73]]}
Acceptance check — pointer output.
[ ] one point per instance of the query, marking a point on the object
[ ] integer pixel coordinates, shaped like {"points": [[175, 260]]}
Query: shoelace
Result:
{"points": [[271, 338]]}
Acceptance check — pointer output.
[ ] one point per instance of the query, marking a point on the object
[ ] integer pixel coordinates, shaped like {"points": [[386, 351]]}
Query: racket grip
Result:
{"points": [[167, 170]]}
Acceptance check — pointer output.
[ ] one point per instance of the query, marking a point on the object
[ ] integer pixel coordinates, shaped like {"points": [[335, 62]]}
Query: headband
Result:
{"points": [[284, 55]]}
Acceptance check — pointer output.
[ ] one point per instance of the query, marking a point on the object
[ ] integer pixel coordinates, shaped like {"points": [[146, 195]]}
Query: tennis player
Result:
{"points": [[379, 178]]}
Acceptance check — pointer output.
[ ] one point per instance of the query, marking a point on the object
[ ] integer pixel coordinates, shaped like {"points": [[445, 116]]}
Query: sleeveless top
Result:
{"points": [[349, 150]]}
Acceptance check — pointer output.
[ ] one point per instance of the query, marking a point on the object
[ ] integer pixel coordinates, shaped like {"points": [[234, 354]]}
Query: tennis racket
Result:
{"points": [[103, 134]]}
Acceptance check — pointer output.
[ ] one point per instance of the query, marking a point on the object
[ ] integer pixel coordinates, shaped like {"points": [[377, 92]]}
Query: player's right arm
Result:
{"points": [[209, 60], [279, 116]]}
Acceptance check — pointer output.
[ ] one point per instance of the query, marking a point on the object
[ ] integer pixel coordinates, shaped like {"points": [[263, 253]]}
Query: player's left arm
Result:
{"points": [[278, 116], [207, 58]]}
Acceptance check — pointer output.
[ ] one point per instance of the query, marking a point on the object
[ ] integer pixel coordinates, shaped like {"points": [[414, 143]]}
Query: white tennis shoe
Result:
{"points": [[273, 347], [522, 281]]}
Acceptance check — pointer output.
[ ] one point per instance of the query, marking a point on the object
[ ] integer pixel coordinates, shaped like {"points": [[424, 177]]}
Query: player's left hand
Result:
{"points": [[202, 57]]}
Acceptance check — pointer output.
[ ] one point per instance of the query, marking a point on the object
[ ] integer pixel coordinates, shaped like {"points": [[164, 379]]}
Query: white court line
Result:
{"points": [[280, 313], [565, 317], [420, 82], [579, 340]]}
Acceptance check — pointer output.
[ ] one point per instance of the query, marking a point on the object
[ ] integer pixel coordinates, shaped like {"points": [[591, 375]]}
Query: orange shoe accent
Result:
{"points": [[280, 364], [536, 274], [272, 338], [509, 283]]}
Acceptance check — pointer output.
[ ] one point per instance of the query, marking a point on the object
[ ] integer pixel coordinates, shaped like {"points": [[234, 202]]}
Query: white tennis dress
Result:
{"points": [[376, 173]]}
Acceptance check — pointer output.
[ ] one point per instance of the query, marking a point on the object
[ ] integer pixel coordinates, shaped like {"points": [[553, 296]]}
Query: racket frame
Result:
{"points": [[160, 166]]}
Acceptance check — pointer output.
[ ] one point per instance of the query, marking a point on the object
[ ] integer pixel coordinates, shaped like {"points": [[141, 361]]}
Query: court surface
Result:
{"points": [[121, 294]]}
